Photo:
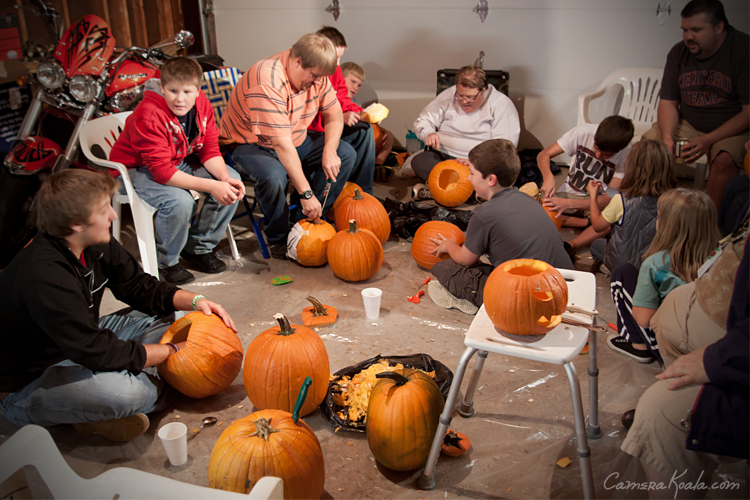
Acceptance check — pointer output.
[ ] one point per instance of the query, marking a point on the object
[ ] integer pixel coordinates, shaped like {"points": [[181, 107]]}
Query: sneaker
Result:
{"points": [[205, 262], [383, 173], [278, 251], [621, 346], [442, 297], [627, 419], [117, 429], [420, 192], [176, 274]]}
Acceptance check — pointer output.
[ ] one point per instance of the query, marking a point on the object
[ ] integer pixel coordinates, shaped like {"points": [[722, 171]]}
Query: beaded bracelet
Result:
{"points": [[173, 346], [195, 301]]}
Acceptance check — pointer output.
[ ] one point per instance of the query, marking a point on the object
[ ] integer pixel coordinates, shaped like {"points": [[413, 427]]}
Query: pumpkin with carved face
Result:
{"points": [[525, 297]]}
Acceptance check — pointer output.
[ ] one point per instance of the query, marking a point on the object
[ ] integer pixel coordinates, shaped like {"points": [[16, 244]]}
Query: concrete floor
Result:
{"points": [[516, 442]]}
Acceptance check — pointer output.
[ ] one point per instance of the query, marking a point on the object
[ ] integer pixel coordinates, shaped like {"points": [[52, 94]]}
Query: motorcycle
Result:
{"points": [[84, 77]]}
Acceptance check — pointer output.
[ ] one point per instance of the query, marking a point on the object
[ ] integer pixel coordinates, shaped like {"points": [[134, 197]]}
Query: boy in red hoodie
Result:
{"points": [[171, 144]]}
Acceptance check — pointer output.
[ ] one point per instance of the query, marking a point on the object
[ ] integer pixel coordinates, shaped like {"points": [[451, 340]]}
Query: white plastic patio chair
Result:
{"points": [[32, 445], [103, 132], [640, 101]]}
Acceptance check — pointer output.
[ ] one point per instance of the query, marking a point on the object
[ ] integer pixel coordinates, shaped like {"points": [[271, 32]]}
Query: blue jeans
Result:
{"points": [[262, 167], [362, 139], [68, 393], [174, 211], [597, 249]]}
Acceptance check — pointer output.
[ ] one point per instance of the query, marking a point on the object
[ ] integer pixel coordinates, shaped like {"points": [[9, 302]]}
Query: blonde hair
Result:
{"points": [[353, 68], [316, 51], [649, 170], [472, 77], [686, 229]]}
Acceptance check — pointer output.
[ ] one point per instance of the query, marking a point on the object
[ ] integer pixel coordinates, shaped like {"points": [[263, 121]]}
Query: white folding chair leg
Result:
{"points": [[584, 453], [143, 219], [426, 480], [232, 243]]}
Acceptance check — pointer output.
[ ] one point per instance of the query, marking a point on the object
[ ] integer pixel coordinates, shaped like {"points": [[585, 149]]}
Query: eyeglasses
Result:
{"points": [[467, 99]]}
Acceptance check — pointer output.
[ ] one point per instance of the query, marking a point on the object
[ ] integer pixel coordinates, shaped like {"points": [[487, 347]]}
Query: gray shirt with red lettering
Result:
{"points": [[713, 90]]}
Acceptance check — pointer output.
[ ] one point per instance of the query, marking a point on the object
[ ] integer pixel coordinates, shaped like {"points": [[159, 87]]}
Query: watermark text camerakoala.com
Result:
{"points": [[611, 483]]}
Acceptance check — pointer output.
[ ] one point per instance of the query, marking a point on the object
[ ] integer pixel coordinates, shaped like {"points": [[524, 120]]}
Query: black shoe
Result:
{"points": [[278, 251], [176, 274], [621, 346], [205, 262], [627, 419]]}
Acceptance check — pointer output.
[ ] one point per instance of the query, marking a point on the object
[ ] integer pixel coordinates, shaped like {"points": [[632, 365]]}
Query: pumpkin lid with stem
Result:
{"points": [[263, 428], [318, 314]]}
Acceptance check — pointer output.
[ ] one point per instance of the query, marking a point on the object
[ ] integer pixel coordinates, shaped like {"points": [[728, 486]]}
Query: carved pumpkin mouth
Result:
{"points": [[448, 180], [549, 323]]}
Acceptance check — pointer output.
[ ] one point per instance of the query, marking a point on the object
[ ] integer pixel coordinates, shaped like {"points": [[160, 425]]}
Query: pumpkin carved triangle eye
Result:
{"points": [[543, 296]]}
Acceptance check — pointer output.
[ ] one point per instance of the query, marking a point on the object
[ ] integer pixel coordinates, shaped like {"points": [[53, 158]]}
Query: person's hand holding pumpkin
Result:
{"points": [[433, 141], [210, 308], [443, 244], [558, 205]]}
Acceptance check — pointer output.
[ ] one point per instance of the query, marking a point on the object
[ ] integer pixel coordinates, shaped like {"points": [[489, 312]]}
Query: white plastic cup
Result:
{"points": [[371, 297], [174, 439]]}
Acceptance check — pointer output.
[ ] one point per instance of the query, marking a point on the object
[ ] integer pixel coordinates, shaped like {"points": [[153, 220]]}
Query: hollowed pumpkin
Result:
{"points": [[355, 255], [422, 246], [268, 443], [367, 211], [525, 297], [209, 362], [449, 183], [308, 242], [277, 362], [402, 418]]}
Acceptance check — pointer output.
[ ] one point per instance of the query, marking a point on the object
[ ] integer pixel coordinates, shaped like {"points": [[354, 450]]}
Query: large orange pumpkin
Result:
{"points": [[348, 190], [277, 362], [449, 183], [525, 297], [422, 246], [402, 418], [367, 211], [209, 362], [355, 255], [268, 443], [308, 242]]}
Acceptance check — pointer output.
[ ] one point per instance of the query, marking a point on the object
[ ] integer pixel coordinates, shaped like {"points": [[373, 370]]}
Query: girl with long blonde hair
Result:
{"points": [[686, 233]]}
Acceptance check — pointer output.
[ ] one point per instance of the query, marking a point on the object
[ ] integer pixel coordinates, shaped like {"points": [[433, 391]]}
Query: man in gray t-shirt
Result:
{"points": [[705, 94]]}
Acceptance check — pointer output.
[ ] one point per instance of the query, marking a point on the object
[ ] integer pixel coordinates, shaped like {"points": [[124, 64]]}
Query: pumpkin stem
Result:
{"points": [[353, 226], [318, 309], [395, 376], [301, 398], [286, 328], [358, 195], [263, 428]]}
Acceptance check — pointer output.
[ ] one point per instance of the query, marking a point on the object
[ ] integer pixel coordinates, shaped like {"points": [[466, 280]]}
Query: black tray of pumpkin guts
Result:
{"points": [[345, 405]]}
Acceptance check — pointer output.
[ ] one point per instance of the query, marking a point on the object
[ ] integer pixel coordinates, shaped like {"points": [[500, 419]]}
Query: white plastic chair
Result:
{"points": [[560, 346], [33, 445], [103, 132], [640, 101]]}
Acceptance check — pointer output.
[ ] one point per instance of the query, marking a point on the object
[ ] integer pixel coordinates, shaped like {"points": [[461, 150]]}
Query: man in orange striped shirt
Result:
{"points": [[267, 117]]}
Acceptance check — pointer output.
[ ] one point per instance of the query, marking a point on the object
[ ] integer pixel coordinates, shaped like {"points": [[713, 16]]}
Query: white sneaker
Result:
{"points": [[420, 192], [442, 297]]}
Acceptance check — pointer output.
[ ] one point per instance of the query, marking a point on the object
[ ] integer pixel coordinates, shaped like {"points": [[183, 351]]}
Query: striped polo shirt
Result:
{"points": [[264, 105]]}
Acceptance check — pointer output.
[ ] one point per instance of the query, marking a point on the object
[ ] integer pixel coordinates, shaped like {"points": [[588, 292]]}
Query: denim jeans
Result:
{"points": [[174, 211], [597, 249], [68, 393], [262, 167], [362, 139]]}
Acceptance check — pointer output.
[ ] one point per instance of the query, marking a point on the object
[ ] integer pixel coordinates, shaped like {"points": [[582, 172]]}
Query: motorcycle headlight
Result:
{"points": [[51, 75], [83, 88]]}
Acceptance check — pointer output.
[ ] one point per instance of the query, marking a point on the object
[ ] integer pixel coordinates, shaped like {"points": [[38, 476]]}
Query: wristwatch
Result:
{"points": [[306, 195]]}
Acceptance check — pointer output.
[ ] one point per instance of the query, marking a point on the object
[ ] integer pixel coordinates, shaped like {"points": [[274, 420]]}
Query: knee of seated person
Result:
{"points": [[127, 398], [724, 163], [347, 155]]}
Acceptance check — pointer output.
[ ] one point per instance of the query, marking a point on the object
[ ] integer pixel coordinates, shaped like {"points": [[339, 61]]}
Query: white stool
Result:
{"points": [[560, 347]]}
